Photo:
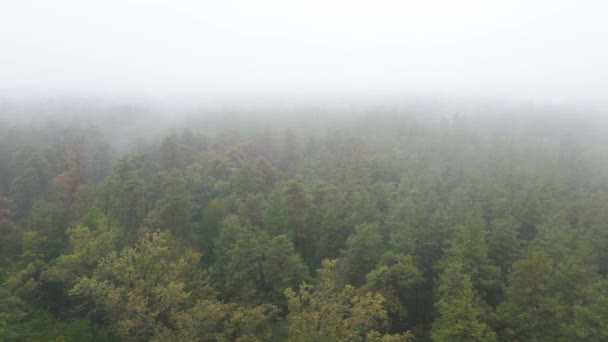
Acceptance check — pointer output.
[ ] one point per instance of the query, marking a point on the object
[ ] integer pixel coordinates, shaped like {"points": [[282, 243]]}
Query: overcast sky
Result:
{"points": [[553, 51]]}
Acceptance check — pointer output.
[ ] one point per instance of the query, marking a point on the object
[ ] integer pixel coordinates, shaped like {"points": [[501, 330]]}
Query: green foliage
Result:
{"points": [[395, 278], [504, 245], [139, 287], [363, 251], [30, 184], [49, 221], [253, 177], [21, 290], [122, 195], [448, 229], [461, 311], [254, 267], [172, 209], [289, 212], [469, 249], [211, 217], [528, 308], [589, 321], [9, 235], [87, 246], [326, 312], [211, 320], [39, 325], [329, 217]]}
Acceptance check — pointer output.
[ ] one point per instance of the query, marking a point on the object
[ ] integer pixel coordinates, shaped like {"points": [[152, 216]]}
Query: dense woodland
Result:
{"points": [[379, 226]]}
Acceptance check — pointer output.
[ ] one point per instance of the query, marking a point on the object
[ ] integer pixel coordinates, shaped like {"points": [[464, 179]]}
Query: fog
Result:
{"points": [[338, 170], [533, 52]]}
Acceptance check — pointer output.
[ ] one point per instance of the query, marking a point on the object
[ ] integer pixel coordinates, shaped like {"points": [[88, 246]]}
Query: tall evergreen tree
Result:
{"points": [[461, 312]]}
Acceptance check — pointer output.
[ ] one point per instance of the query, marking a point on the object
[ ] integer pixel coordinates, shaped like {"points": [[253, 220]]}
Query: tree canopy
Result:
{"points": [[359, 228]]}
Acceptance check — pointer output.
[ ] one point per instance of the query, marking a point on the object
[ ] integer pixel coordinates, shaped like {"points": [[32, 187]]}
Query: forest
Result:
{"points": [[380, 225]]}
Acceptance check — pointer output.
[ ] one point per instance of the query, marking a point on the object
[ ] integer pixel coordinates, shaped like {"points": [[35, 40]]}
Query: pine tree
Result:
{"points": [[504, 245], [363, 251], [461, 313], [529, 309]]}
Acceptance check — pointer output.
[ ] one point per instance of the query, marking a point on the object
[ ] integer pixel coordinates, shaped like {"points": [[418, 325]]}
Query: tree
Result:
{"points": [[402, 221], [173, 207], [87, 247], [289, 212], [77, 163], [21, 288], [504, 246], [50, 221], [326, 312], [394, 277], [431, 241], [30, 184], [290, 151], [9, 237], [251, 209], [211, 320], [589, 322], [528, 309], [155, 291], [254, 267], [170, 155], [574, 273], [329, 217], [461, 312], [469, 248], [253, 177], [363, 251], [122, 195], [139, 287], [284, 267]]}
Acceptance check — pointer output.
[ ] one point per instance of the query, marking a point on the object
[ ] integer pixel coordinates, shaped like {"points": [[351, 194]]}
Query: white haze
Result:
{"points": [[552, 52]]}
